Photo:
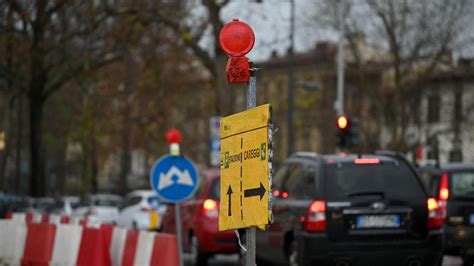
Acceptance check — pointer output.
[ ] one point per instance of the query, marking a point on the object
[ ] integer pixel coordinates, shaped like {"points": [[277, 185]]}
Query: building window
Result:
{"points": [[455, 155], [433, 108], [458, 107]]}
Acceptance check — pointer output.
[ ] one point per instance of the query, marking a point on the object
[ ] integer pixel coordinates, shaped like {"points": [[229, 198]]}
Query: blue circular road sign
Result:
{"points": [[174, 178]]}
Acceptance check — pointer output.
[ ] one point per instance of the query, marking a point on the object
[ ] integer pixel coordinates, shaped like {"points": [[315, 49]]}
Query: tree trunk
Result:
{"points": [[19, 144], [6, 129], [37, 176], [125, 159]]}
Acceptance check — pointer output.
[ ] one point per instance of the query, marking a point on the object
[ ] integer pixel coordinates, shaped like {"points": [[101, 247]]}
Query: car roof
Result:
{"points": [[105, 197], [146, 193], [456, 166], [337, 158]]}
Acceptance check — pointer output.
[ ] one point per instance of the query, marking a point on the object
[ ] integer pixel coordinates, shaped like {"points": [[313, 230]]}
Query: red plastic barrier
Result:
{"points": [[130, 248], [39, 244], [92, 251], [83, 221], [45, 218], [29, 217], [9, 215], [107, 232], [65, 219], [165, 250]]}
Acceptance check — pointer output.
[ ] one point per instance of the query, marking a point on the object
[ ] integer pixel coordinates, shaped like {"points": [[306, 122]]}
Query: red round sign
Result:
{"points": [[236, 38], [173, 136]]}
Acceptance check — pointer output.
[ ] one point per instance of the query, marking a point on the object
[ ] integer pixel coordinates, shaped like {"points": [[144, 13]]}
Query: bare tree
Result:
{"points": [[50, 51], [419, 37], [192, 30]]}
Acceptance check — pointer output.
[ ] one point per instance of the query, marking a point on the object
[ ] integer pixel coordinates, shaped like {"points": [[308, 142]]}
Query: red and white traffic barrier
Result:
{"points": [[12, 241], [68, 244], [119, 235], [39, 244], [165, 250], [148, 248]]}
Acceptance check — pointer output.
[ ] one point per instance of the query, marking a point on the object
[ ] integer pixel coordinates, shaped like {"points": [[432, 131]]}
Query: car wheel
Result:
{"points": [[199, 258]]}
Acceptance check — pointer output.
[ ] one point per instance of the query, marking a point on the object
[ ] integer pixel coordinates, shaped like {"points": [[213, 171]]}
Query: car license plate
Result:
{"points": [[378, 221], [471, 219]]}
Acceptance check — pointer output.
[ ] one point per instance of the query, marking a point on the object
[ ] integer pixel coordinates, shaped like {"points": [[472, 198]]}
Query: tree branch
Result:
{"points": [[185, 35], [78, 69]]}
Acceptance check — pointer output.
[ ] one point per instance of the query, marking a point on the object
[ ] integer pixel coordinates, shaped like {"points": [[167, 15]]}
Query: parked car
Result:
{"points": [[65, 205], [200, 219], [43, 204], [351, 210], [142, 210], [453, 185], [100, 207], [10, 203]]}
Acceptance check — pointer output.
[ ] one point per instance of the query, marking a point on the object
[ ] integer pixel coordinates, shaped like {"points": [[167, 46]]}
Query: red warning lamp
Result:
{"points": [[173, 136], [342, 122], [237, 39]]}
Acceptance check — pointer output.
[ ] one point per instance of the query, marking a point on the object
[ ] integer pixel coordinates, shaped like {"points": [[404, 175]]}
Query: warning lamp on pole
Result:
{"points": [[173, 137], [237, 39]]}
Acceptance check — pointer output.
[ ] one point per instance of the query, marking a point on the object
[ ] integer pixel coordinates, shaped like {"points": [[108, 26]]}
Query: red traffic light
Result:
{"points": [[342, 122], [173, 136], [236, 38]]}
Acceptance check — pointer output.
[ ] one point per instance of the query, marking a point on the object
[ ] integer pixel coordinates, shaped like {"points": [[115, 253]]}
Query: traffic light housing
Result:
{"points": [[347, 132]]}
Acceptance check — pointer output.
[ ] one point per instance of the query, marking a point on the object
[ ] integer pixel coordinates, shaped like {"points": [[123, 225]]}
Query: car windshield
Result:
{"points": [[107, 202], [463, 184], [385, 178], [44, 205], [215, 189]]}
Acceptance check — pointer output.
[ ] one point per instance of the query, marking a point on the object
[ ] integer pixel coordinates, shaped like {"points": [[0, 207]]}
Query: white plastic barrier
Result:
{"points": [[66, 244], [117, 245], [12, 241], [54, 218], [3, 238], [37, 217], [19, 217], [144, 249]]}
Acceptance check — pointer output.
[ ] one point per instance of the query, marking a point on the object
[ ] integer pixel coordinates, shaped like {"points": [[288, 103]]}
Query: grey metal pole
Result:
{"points": [[250, 232], [340, 59], [291, 87], [179, 232]]}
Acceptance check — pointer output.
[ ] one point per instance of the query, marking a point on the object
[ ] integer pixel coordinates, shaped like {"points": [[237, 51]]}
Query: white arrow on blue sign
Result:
{"points": [[174, 178]]}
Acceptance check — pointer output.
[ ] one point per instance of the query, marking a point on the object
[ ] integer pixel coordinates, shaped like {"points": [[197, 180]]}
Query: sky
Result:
{"points": [[270, 21]]}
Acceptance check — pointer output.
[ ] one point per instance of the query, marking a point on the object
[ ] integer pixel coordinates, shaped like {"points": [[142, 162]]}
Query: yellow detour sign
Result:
{"points": [[245, 164]]}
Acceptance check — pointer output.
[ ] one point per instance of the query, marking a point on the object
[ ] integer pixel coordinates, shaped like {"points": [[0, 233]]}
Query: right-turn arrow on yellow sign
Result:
{"points": [[245, 169]]}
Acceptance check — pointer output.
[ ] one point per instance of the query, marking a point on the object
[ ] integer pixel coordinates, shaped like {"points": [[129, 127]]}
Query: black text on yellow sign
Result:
{"points": [[245, 180]]}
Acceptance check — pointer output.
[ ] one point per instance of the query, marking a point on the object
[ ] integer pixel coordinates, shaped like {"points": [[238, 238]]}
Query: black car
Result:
{"points": [[453, 185], [351, 210]]}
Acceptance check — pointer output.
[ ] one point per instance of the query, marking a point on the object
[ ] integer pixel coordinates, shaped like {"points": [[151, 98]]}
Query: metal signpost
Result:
{"points": [[245, 146], [175, 179], [215, 147]]}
